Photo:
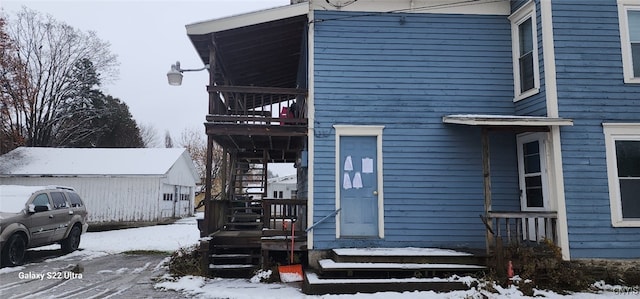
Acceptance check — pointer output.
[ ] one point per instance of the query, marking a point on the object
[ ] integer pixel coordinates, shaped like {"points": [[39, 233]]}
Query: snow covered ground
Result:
{"points": [[185, 233]]}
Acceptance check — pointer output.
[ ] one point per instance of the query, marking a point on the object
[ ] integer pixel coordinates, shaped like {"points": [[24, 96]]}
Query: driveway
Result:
{"points": [[49, 274]]}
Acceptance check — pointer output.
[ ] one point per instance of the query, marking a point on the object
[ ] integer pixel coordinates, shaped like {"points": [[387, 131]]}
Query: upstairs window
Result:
{"points": [[629, 16], [524, 35], [622, 143]]}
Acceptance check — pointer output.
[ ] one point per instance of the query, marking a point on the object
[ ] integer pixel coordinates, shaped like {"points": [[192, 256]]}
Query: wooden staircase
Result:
{"points": [[236, 249], [370, 270]]}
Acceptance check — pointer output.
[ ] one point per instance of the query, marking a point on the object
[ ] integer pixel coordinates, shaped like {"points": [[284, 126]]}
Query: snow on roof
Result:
{"points": [[89, 161], [290, 179], [13, 198], [247, 19], [505, 120]]}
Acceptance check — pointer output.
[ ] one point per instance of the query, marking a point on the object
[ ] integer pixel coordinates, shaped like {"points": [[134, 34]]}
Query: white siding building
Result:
{"points": [[282, 187], [118, 186]]}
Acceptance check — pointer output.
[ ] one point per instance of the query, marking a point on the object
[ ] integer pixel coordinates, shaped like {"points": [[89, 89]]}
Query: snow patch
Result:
{"points": [[11, 269], [261, 276], [13, 198], [404, 251], [290, 277]]}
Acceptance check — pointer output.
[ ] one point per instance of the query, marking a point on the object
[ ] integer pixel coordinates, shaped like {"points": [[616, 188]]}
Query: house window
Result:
{"points": [[280, 194], [629, 16], [525, 52], [622, 143], [275, 194], [167, 197]]}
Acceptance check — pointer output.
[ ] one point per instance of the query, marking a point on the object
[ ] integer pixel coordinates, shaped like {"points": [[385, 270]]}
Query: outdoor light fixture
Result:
{"points": [[174, 75]]}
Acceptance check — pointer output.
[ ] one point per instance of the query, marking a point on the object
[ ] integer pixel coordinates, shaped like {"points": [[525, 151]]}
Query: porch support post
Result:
{"points": [[208, 208], [486, 172], [224, 173]]}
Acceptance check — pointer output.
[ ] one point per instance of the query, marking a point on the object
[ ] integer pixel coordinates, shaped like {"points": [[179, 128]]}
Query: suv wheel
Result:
{"points": [[14, 251], [72, 242]]}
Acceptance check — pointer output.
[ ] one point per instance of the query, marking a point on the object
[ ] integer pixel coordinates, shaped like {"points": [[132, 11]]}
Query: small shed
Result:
{"points": [[119, 186]]}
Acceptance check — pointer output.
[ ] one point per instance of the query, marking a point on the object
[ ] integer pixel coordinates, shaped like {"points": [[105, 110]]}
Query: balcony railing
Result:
{"points": [[517, 227], [278, 211], [257, 105]]}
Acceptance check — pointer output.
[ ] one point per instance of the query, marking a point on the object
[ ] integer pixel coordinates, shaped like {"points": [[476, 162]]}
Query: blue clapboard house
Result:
{"points": [[443, 124]]}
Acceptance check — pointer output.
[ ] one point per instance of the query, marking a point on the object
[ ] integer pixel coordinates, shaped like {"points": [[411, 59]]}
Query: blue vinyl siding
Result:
{"points": [[515, 4], [591, 91], [406, 74]]}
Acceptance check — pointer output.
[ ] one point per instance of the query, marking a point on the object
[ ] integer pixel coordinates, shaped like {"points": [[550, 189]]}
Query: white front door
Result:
{"points": [[534, 194]]}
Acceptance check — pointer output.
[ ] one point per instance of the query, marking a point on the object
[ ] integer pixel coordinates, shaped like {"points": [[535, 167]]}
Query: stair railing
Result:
{"points": [[322, 220]]}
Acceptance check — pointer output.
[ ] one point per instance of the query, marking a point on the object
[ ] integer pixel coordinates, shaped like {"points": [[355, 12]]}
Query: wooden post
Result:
{"points": [[224, 173], [486, 172], [208, 208]]}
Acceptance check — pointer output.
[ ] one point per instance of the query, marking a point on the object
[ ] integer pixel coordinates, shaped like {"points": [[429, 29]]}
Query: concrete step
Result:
{"points": [[315, 285]]}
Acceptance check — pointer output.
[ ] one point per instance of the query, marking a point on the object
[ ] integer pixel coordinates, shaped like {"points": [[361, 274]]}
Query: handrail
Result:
{"points": [[322, 220]]}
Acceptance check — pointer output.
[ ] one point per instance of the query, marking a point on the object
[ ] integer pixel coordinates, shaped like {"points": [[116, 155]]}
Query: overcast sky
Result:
{"points": [[149, 36]]}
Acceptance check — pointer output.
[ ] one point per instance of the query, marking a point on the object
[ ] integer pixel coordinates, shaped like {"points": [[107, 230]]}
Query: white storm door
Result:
{"points": [[534, 194]]}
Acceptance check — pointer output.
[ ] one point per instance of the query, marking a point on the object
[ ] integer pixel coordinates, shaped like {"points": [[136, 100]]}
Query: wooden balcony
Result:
{"points": [[250, 120]]}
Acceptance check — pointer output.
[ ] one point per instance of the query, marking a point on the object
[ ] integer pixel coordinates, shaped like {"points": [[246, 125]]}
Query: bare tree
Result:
{"points": [[149, 135], [168, 141], [12, 73], [195, 142], [41, 79]]}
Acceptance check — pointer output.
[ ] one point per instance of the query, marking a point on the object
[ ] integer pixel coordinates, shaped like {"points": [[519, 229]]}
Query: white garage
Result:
{"points": [[119, 186]]}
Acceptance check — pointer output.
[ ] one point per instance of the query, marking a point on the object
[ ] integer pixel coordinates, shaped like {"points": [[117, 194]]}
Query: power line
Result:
{"points": [[421, 8]]}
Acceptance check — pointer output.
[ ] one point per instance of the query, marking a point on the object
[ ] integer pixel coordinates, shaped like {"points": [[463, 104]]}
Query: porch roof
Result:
{"points": [[505, 120], [260, 48]]}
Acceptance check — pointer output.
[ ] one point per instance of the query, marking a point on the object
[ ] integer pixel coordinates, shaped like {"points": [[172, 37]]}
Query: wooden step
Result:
{"points": [[244, 217], [315, 285], [331, 268], [231, 266], [234, 256], [406, 255], [243, 226]]}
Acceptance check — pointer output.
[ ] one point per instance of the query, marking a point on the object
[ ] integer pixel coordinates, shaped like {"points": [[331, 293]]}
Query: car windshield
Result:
{"points": [[14, 198]]}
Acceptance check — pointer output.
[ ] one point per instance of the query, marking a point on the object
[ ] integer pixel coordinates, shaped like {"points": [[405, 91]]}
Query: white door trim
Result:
{"points": [[355, 130]]}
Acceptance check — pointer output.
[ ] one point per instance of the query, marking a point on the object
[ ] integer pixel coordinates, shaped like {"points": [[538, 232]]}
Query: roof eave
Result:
{"points": [[248, 19]]}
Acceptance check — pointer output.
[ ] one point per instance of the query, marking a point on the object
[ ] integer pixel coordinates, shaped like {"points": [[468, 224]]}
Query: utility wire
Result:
{"points": [[421, 8]]}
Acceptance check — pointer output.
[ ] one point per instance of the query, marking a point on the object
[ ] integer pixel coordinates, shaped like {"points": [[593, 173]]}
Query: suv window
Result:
{"points": [[41, 200], [75, 200], [59, 201]]}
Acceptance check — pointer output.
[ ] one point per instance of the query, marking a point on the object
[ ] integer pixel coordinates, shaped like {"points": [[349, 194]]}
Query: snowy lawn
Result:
{"points": [[184, 233]]}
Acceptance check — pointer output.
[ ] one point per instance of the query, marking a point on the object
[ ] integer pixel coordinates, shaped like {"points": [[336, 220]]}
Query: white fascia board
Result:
{"points": [[479, 7], [248, 19], [505, 120]]}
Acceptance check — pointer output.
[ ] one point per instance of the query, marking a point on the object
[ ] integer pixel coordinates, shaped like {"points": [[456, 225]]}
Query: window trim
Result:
{"points": [[612, 133], [527, 11], [625, 40]]}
